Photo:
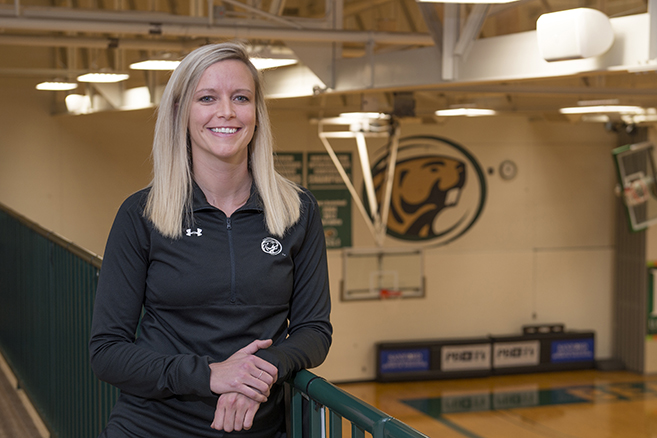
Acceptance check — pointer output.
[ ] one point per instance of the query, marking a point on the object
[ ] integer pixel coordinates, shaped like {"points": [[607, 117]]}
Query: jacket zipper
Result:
{"points": [[231, 254]]}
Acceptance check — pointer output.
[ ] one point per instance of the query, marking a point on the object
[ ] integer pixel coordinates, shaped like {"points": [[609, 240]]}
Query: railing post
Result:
{"points": [[296, 412], [335, 425], [363, 417]]}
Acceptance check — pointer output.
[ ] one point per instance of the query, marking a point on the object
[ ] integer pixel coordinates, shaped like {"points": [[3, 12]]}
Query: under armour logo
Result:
{"points": [[198, 232], [271, 246]]}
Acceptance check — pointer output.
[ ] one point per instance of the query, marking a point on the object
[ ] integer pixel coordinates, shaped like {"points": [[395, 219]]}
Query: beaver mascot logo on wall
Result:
{"points": [[438, 190]]}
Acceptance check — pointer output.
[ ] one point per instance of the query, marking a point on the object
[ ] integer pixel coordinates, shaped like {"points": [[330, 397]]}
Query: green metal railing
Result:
{"points": [[326, 400], [47, 288]]}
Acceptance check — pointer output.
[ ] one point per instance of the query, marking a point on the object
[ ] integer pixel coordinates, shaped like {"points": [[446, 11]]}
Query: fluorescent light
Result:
{"points": [[365, 115], [103, 78], [597, 109], [265, 63], [155, 64], [163, 64], [598, 102], [468, 1], [467, 112], [56, 86]]}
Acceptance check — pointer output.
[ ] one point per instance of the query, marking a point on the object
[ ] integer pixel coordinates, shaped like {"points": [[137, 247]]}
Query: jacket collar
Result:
{"points": [[201, 203]]}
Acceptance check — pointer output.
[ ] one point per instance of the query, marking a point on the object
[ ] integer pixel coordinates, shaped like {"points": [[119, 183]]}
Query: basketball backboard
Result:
{"points": [[380, 273], [636, 177]]}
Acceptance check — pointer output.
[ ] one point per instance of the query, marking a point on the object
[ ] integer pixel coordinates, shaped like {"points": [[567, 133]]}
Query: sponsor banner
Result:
{"points": [[572, 350], [516, 354], [401, 361], [465, 357]]}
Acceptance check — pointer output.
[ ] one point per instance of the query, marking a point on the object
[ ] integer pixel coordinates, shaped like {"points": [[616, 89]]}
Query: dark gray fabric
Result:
{"points": [[225, 283]]}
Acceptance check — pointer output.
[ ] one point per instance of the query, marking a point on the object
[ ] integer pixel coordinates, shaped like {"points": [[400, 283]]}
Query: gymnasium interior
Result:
{"points": [[519, 304]]}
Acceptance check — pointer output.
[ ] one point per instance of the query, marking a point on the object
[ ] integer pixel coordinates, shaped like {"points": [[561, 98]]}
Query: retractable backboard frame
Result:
{"points": [[361, 127], [637, 183]]}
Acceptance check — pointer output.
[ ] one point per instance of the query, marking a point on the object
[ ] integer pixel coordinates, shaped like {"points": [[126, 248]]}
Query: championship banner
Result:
{"points": [[332, 196], [317, 172], [290, 165]]}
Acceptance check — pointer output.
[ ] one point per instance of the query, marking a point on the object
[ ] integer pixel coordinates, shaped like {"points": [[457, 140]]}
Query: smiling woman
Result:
{"points": [[221, 126], [227, 260]]}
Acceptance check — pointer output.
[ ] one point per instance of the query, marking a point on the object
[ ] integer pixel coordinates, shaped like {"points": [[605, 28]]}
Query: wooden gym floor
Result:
{"points": [[573, 404]]}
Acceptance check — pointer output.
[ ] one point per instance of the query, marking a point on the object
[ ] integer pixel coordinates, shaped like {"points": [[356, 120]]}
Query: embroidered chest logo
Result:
{"points": [[271, 246], [198, 232]]}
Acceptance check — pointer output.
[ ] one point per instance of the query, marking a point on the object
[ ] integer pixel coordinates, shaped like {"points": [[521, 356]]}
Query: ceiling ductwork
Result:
{"points": [[443, 54]]}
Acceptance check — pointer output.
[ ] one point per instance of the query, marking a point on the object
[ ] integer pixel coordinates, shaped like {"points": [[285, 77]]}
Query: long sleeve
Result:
{"points": [[115, 357], [167, 308], [310, 330]]}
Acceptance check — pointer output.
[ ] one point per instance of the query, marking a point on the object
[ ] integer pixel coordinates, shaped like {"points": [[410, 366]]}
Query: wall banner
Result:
{"points": [[332, 196], [572, 350], [516, 354], [316, 171], [398, 361], [465, 357], [438, 190], [290, 165]]}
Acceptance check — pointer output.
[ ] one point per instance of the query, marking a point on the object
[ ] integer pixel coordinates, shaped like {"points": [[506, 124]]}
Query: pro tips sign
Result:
{"points": [[465, 357]]}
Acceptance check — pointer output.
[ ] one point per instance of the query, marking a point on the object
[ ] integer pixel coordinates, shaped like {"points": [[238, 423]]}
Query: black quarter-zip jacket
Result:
{"points": [[226, 282]]}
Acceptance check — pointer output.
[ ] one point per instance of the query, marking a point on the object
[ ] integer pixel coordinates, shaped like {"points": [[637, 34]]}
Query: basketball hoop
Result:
{"points": [[385, 294], [636, 192]]}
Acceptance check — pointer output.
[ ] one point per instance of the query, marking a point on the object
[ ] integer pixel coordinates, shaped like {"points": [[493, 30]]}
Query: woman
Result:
{"points": [[225, 257]]}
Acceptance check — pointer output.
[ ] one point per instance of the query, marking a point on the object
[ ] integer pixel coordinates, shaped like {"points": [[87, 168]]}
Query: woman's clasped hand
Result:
{"points": [[244, 381]]}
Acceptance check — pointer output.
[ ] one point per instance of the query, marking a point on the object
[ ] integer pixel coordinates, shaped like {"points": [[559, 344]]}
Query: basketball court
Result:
{"points": [[567, 404]]}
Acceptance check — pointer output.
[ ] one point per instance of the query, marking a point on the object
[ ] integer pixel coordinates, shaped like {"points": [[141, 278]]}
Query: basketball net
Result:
{"points": [[385, 294]]}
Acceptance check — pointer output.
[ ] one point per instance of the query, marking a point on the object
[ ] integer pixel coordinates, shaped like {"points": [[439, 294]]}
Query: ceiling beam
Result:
{"points": [[471, 30], [224, 31], [496, 59]]}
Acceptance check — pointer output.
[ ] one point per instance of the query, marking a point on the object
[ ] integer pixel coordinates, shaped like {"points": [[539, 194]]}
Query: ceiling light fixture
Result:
{"points": [[155, 64], [364, 115], [103, 78], [468, 1], [167, 64], [56, 86], [467, 112], [603, 109], [266, 63]]}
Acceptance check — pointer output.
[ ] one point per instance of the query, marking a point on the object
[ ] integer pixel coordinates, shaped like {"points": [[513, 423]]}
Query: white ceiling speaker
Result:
{"points": [[573, 34]]}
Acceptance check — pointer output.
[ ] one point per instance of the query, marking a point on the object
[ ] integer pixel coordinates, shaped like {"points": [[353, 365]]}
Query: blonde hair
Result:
{"points": [[169, 204]]}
